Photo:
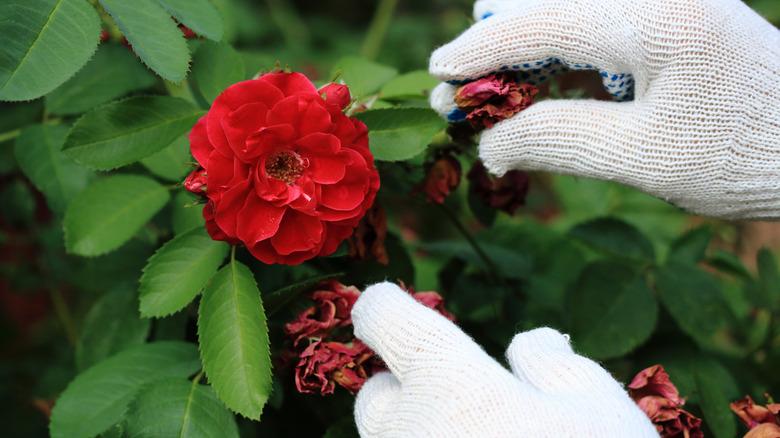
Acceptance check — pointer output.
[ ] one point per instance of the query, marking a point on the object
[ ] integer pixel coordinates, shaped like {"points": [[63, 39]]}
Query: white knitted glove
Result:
{"points": [[704, 129], [444, 385]]}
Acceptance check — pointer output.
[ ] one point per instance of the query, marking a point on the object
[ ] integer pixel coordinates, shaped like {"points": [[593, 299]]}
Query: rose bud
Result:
{"points": [[506, 193], [336, 94], [290, 175], [104, 36], [494, 98], [196, 182], [443, 177], [368, 241], [188, 33]]}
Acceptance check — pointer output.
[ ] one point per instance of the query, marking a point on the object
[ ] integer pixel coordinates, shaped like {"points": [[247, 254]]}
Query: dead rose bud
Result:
{"points": [[333, 356], [196, 182], [656, 395], [332, 309], [337, 94], [494, 98], [442, 177], [753, 415], [766, 430], [368, 241], [506, 193]]}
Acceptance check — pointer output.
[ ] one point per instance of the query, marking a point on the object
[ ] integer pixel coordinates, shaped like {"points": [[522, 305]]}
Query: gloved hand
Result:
{"points": [[703, 130], [444, 385]]}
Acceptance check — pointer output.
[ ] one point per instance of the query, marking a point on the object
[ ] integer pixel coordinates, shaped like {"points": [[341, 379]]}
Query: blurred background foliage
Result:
{"points": [[580, 252]]}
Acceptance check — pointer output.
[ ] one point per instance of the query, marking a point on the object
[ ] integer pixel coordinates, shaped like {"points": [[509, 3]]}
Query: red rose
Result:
{"points": [[494, 98], [196, 182], [289, 175], [336, 94]]}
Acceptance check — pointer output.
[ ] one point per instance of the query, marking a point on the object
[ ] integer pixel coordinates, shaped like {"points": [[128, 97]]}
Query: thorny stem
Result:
{"points": [[492, 270], [63, 314], [377, 30]]}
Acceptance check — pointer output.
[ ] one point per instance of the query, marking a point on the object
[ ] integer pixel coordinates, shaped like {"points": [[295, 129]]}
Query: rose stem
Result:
{"points": [[491, 268], [378, 28]]}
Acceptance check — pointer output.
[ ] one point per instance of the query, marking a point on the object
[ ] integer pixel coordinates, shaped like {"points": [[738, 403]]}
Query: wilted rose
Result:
{"points": [[506, 193], [441, 178], [332, 309], [368, 240], [766, 430], [324, 364], [753, 415], [656, 395], [494, 98]]}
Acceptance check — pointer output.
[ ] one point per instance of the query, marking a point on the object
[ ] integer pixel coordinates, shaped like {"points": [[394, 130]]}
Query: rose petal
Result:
{"points": [[290, 83], [199, 142], [258, 220], [298, 232], [243, 122], [231, 203]]}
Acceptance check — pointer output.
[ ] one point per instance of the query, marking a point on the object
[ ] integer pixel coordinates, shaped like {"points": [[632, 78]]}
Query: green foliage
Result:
{"points": [[42, 44], [614, 237], [109, 212], [414, 85], [38, 150], [612, 311], [126, 131], [695, 301], [709, 377], [98, 397], [234, 340], [173, 162], [111, 325], [199, 15], [153, 34], [691, 247], [112, 73], [398, 134], [179, 408], [216, 66], [178, 271], [364, 77], [187, 213]]}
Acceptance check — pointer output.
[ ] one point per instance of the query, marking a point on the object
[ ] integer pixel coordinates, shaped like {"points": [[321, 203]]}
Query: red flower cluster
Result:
{"points": [[763, 421], [441, 178], [328, 353], [494, 98], [286, 172], [657, 396], [506, 193]]}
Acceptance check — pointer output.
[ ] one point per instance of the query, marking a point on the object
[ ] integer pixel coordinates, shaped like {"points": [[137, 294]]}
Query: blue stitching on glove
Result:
{"points": [[456, 115], [486, 15]]}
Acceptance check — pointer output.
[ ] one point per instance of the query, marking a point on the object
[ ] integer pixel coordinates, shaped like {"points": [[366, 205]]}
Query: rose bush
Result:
{"points": [[287, 173], [125, 153]]}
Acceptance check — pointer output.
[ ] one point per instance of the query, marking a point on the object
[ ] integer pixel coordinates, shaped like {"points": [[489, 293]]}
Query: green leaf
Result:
{"points": [[111, 74], [728, 263], [694, 299], [178, 271], [126, 131], [216, 66], [614, 237], [187, 213], [108, 212], [710, 378], [199, 15], [416, 84], [111, 325], [97, 398], [363, 77], [179, 408], [612, 310], [234, 342], [692, 246], [172, 163], [769, 278], [344, 428], [153, 34], [44, 42], [38, 151], [398, 134]]}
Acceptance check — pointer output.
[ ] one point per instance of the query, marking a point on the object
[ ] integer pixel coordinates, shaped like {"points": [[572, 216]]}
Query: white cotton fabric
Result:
{"points": [[703, 130], [442, 384]]}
